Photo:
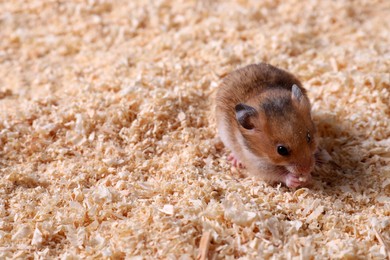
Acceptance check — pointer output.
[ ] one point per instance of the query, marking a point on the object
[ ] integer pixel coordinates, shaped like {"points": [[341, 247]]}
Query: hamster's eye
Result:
{"points": [[308, 137], [283, 151]]}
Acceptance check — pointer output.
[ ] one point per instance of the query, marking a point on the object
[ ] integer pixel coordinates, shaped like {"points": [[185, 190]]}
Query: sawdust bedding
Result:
{"points": [[108, 148]]}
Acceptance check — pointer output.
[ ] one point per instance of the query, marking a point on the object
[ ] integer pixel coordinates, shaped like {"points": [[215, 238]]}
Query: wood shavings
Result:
{"points": [[168, 209], [315, 214], [108, 145], [302, 179], [235, 211], [37, 237], [5, 93], [23, 232], [204, 245], [383, 243]]}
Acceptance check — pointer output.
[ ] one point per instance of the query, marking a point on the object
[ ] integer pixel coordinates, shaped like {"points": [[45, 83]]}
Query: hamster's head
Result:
{"points": [[279, 129]]}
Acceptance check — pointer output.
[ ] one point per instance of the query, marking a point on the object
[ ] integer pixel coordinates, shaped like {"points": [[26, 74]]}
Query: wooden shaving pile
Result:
{"points": [[108, 147]]}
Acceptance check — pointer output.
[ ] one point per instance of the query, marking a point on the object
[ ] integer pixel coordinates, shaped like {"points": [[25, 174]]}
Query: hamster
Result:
{"points": [[263, 117]]}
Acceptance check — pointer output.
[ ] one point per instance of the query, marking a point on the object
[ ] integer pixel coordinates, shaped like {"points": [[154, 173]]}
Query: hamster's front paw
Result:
{"points": [[235, 162], [293, 181]]}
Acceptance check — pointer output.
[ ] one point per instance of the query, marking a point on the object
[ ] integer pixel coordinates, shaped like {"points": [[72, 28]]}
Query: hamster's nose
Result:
{"points": [[304, 170], [306, 167], [302, 166]]}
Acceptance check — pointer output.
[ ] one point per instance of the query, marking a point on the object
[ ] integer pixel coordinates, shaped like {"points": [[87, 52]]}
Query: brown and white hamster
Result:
{"points": [[264, 117]]}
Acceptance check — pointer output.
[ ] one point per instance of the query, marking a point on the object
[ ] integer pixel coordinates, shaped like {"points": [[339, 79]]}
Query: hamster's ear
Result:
{"points": [[296, 93], [245, 115], [299, 98]]}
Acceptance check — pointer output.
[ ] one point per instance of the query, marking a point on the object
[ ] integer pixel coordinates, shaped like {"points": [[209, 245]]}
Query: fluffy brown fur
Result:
{"points": [[278, 116]]}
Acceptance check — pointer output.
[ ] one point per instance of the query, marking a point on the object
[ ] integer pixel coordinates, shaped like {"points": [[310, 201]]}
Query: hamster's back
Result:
{"points": [[242, 84]]}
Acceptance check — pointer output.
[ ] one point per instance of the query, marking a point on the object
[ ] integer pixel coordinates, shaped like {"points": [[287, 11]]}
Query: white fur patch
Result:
{"points": [[224, 134], [255, 161]]}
